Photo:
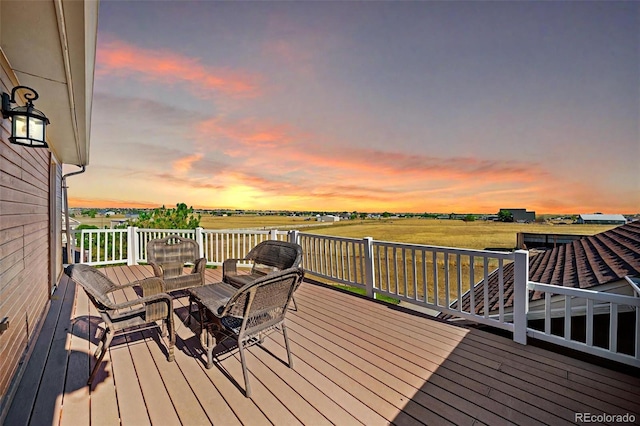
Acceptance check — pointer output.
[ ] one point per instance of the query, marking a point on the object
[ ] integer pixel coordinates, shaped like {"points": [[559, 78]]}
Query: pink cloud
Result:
{"points": [[115, 56], [183, 165]]}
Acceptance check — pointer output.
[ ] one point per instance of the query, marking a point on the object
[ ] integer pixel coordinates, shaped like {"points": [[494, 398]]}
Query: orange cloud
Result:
{"points": [[117, 56], [106, 203], [248, 133], [185, 164]]}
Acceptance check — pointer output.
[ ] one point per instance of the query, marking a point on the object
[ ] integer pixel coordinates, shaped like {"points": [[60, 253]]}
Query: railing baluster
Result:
{"points": [[425, 282], [436, 296], [567, 317], [547, 312], [447, 284], [459, 279], [486, 287], [501, 290], [613, 328], [589, 331], [472, 290]]}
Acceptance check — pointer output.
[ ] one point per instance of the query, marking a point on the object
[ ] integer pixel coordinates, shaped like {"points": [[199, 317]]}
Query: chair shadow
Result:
{"points": [[89, 327]]}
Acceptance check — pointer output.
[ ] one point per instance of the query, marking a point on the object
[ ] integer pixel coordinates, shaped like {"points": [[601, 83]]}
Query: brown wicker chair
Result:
{"points": [[153, 306], [266, 257], [256, 310], [167, 256]]}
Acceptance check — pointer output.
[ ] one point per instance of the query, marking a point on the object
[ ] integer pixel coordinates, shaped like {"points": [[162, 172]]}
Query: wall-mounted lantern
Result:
{"points": [[27, 123]]}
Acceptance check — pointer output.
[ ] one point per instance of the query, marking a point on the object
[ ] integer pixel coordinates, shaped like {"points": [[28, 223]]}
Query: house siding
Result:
{"points": [[25, 232]]}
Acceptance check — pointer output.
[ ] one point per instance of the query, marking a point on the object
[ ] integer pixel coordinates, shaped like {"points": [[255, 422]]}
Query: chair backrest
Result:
{"points": [[94, 282], [276, 254], [263, 303], [172, 252]]}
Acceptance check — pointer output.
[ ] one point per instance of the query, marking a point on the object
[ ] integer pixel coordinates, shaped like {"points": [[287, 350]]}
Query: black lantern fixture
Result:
{"points": [[28, 124]]}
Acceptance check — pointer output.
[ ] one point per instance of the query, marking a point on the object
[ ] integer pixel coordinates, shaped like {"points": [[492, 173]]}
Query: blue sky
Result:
{"points": [[367, 106]]}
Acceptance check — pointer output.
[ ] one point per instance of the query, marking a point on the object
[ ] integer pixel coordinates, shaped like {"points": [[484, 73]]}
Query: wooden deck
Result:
{"points": [[356, 362]]}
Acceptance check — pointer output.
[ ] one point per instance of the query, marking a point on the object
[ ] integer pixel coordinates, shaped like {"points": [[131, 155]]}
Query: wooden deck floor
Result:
{"points": [[356, 362]]}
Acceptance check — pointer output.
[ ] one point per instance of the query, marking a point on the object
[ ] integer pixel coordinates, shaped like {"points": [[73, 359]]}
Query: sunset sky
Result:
{"points": [[366, 106]]}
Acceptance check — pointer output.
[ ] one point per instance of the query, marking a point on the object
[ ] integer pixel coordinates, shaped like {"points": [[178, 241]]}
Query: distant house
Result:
{"points": [[607, 262], [328, 218], [521, 215], [117, 222], [602, 219]]}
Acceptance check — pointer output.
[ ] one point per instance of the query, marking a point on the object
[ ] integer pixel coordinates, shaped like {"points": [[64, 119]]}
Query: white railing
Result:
{"points": [[426, 276], [101, 246], [337, 259], [144, 235], [112, 246], [219, 245], [600, 312]]}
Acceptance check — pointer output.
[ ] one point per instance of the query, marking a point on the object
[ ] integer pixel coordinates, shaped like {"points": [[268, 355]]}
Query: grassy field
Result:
{"points": [[448, 233]]}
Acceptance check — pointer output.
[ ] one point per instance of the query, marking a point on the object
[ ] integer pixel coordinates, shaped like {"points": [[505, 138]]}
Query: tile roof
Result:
{"points": [[587, 262]]}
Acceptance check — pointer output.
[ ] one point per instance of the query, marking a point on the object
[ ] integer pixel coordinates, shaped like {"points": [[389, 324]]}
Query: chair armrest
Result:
{"points": [[150, 286], [199, 265], [159, 297], [157, 269]]}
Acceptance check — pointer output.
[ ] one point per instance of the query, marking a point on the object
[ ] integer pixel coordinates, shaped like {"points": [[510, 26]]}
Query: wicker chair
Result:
{"points": [[153, 306], [167, 256], [266, 257], [256, 310]]}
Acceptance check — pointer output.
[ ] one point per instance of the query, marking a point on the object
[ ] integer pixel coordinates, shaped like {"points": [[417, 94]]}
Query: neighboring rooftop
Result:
{"points": [[587, 262], [600, 218]]}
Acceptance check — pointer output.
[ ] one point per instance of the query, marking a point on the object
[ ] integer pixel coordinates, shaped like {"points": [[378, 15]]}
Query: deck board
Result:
{"points": [[356, 362]]}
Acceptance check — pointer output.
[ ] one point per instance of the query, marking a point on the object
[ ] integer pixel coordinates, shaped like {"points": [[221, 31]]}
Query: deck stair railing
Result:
{"points": [[428, 277]]}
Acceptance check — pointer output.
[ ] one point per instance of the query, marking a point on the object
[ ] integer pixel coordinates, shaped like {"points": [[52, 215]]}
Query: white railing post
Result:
{"points": [[72, 244], [520, 296], [273, 234], [82, 246], [368, 266], [294, 237], [132, 245], [200, 240]]}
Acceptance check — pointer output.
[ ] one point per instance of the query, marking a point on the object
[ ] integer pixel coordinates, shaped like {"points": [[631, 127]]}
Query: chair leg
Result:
{"points": [[295, 305], [172, 338], [107, 338], [286, 343], [100, 344], [245, 373]]}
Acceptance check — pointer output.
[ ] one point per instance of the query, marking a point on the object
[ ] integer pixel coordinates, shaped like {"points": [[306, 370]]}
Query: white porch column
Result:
{"points": [[520, 296]]}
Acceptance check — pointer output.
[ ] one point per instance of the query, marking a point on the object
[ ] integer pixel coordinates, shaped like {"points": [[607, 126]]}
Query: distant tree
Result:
{"points": [[91, 213], [386, 214], [363, 216], [469, 218], [505, 216], [182, 217]]}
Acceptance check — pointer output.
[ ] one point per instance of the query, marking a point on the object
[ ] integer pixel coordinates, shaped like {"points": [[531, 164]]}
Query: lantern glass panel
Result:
{"points": [[36, 129], [20, 126]]}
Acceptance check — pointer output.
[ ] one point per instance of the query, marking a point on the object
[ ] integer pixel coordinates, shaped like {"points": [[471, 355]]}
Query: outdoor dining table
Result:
{"points": [[208, 299]]}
